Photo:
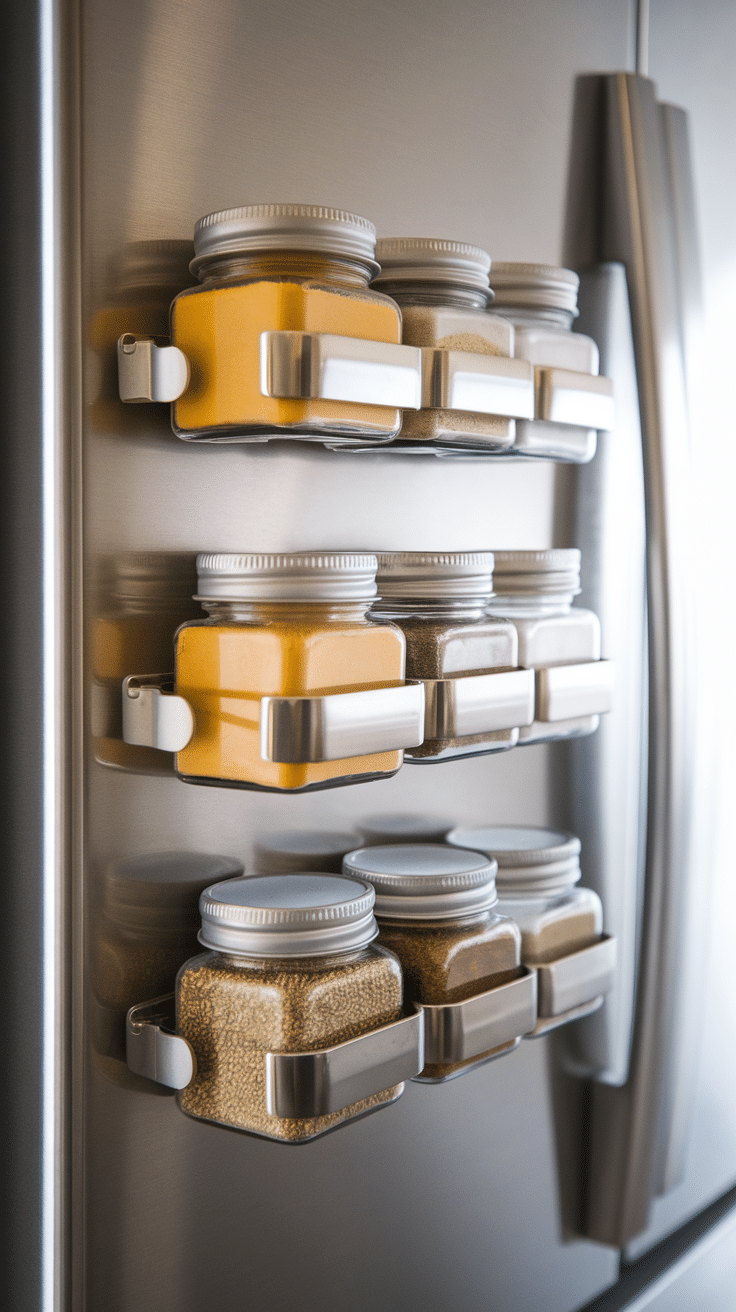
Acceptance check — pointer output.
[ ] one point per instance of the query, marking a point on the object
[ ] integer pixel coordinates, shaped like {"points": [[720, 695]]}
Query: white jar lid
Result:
{"points": [[297, 915], [430, 259], [535, 287], [435, 574], [530, 860], [520, 572], [297, 576], [250, 228], [401, 828], [425, 881], [303, 849]]}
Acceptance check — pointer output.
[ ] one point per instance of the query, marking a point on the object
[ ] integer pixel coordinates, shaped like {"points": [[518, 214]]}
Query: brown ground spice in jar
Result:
{"points": [[450, 942], [234, 1009]]}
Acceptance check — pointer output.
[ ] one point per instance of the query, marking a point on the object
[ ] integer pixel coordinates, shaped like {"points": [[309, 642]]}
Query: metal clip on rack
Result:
{"points": [[301, 1084], [478, 703], [567, 692], [293, 729], [458, 1031], [574, 986]]}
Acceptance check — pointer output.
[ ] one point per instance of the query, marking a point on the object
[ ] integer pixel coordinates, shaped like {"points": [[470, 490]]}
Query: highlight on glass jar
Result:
{"points": [[290, 684], [561, 926], [472, 388], [290, 1023], [572, 401], [284, 337], [475, 696], [461, 961], [560, 642]]}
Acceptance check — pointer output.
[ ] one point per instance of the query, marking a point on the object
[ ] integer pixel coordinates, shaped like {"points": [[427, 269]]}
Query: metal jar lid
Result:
{"points": [[298, 576], [425, 881], [160, 890], [516, 573], [435, 574], [165, 577], [535, 287], [400, 828], [298, 915], [314, 228], [530, 860], [303, 849], [430, 259]]}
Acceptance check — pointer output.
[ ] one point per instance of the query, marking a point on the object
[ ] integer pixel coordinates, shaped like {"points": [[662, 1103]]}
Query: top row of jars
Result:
{"points": [[304, 326]]}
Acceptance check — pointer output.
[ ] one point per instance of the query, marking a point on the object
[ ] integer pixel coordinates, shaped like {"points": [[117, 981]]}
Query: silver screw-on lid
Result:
{"points": [[435, 574], [166, 577], [516, 573], [430, 259], [535, 287], [302, 576], [316, 228], [404, 828], [530, 860], [160, 890], [297, 915], [303, 849], [425, 881]]}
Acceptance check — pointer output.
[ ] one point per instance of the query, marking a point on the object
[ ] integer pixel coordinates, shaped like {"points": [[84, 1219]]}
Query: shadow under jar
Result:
{"points": [[537, 873], [291, 967], [534, 591], [541, 301], [282, 626], [439, 600], [276, 268], [442, 288], [435, 907]]}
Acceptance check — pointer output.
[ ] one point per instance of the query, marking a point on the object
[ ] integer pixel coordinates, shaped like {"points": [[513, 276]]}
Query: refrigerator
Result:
{"points": [[592, 1167]]}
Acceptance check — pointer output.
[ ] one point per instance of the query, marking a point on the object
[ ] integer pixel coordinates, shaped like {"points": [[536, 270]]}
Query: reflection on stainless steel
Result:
{"points": [[305, 1084], [576, 979], [564, 396], [566, 692], [342, 725], [146, 921], [332, 368], [478, 703], [484, 384]]}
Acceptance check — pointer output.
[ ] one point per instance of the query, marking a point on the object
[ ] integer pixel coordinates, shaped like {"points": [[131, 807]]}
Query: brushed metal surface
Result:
{"points": [[401, 113], [342, 725], [478, 703], [573, 980], [341, 369], [461, 1030]]}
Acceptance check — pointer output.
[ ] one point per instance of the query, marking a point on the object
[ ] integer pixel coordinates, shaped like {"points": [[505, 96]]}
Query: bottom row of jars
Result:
{"points": [[306, 963]]}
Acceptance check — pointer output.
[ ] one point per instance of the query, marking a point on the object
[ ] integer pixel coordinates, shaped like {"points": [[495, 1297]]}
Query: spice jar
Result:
{"points": [[276, 268], [534, 590], [435, 906], [439, 600], [142, 598], [537, 873], [541, 302], [282, 626], [383, 830], [145, 925], [442, 288], [303, 849], [291, 967]]}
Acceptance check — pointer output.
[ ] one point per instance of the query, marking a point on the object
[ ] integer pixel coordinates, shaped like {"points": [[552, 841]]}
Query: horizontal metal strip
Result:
{"points": [[328, 367], [478, 703], [461, 1030], [342, 725], [568, 692]]}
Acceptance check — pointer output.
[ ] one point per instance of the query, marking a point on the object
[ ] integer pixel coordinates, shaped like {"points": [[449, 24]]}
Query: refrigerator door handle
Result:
{"points": [[634, 1127]]}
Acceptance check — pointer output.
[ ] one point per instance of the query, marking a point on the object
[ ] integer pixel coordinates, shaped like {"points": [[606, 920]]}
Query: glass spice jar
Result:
{"points": [[298, 268], [435, 907], [284, 626], [534, 590], [440, 600], [290, 966], [541, 301], [537, 873], [145, 925], [442, 289], [302, 849]]}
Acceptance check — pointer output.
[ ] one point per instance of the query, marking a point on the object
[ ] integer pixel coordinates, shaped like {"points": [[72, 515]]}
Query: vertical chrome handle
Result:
{"points": [[637, 224]]}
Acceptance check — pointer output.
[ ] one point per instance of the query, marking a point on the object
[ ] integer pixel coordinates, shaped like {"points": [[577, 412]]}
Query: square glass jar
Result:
{"points": [[292, 968], [283, 626], [436, 911]]}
